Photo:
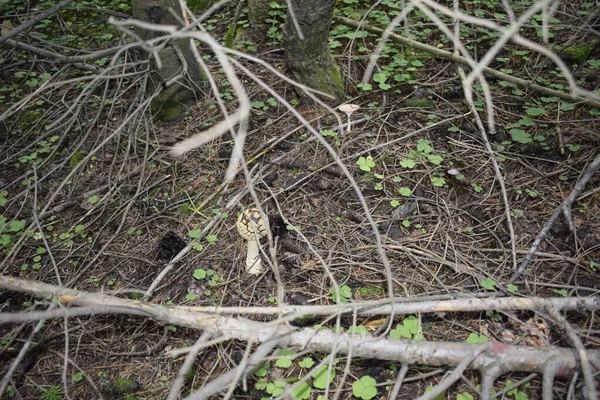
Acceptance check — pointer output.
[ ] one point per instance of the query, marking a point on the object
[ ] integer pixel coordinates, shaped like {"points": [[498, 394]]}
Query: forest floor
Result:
{"points": [[109, 208]]}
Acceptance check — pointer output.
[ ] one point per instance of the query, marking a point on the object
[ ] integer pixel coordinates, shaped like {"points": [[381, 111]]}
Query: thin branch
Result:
{"points": [[31, 22], [563, 208], [461, 60]]}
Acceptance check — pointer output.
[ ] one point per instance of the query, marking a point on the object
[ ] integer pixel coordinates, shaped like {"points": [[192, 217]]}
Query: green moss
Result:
{"points": [[168, 110], [576, 54], [370, 291], [199, 5], [76, 159], [120, 387]]}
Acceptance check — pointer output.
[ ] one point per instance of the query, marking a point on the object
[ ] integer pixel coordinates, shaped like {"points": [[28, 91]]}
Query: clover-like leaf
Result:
{"points": [[408, 163], [488, 283], [365, 388], [320, 378], [285, 358], [475, 338]]}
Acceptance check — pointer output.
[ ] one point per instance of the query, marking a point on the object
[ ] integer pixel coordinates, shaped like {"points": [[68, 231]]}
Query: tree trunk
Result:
{"points": [[258, 11], [308, 60], [169, 104]]}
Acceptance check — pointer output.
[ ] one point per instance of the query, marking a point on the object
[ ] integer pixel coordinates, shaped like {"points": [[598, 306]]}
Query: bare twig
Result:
{"points": [[31, 22], [591, 170]]}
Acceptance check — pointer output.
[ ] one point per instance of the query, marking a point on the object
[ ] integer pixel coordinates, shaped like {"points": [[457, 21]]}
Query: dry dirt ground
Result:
{"points": [[116, 211]]}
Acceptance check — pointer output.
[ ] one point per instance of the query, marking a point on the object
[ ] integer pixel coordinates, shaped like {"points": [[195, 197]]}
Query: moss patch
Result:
{"points": [[576, 54], [168, 110]]}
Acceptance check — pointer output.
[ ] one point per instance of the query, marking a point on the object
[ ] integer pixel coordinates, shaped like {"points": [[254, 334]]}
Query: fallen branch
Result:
{"points": [[506, 357], [461, 60], [31, 22]]}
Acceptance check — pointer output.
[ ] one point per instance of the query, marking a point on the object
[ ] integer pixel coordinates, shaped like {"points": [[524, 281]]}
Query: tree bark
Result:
{"points": [[176, 59], [258, 11], [308, 59]]}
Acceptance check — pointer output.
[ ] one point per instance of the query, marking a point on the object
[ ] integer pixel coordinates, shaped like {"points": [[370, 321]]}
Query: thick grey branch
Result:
{"points": [[505, 357]]}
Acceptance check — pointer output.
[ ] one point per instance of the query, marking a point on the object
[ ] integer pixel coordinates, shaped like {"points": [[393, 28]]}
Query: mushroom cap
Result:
{"points": [[348, 108], [250, 224]]}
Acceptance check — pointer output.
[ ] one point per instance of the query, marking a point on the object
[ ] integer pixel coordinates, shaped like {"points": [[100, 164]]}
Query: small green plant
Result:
{"points": [[302, 391], [52, 392], [408, 163], [323, 377], [366, 163], [404, 191], [285, 358], [306, 362], [409, 329], [365, 388], [488, 283], [464, 396], [78, 377], [358, 330], [345, 294], [438, 181], [510, 288], [561, 292], [516, 393], [475, 338], [494, 315], [440, 396]]}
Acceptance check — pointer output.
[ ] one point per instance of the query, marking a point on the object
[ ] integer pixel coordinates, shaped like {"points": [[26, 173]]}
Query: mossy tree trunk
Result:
{"points": [[176, 59], [258, 11], [308, 60]]}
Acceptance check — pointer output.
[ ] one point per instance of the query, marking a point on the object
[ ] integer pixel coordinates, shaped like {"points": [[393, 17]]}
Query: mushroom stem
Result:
{"points": [[348, 109], [253, 264]]}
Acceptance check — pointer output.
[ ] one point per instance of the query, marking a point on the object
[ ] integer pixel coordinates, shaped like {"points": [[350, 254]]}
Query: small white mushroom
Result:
{"points": [[252, 227], [453, 172], [348, 109]]}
